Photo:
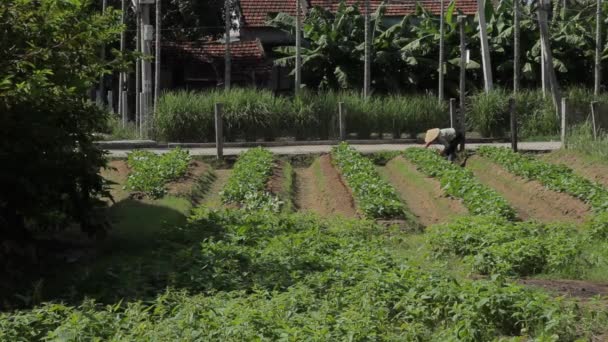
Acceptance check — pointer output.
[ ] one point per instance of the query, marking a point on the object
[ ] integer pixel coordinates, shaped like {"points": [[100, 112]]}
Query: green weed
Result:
{"points": [[150, 172]]}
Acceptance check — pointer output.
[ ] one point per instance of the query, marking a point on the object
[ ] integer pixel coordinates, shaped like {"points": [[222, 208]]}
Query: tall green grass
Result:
{"points": [[254, 114], [580, 139]]}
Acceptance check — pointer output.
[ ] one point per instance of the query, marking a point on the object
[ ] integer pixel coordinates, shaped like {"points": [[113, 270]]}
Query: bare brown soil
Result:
{"points": [[320, 189], [183, 185], [275, 183], [530, 199], [423, 195], [592, 170], [573, 288]]}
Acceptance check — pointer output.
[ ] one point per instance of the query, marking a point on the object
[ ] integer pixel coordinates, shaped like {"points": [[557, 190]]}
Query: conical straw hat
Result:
{"points": [[431, 135]]}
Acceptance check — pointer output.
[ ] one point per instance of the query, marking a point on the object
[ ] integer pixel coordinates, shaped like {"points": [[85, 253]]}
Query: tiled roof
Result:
{"points": [[256, 12], [242, 52]]}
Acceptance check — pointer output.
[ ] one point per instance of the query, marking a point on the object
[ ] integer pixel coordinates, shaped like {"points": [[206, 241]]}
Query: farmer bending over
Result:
{"points": [[448, 137]]}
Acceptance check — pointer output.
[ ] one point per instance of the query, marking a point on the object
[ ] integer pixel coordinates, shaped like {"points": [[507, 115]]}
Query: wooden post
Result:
{"points": [[516, 41], [342, 120], [452, 113], [594, 115], [564, 120], [219, 135], [461, 124], [513, 112], [441, 52]]}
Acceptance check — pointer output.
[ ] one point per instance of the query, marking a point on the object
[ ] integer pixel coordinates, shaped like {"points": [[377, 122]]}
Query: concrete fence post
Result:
{"points": [[219, 136], [594, 115], [125, 108], [342, 120], [452, 112], [513, 113], [110, 97], [564, 116]]}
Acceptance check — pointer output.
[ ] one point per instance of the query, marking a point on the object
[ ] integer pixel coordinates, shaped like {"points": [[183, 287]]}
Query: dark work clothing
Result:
{"points": [[450, 151]]}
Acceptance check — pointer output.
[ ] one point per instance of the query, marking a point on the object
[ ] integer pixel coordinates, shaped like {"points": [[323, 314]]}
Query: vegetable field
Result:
{"points": [[343, 246]]}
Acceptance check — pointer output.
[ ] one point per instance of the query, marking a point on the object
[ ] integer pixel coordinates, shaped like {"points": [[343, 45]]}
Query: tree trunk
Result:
{"points": [[548, 58], [485, 49]]}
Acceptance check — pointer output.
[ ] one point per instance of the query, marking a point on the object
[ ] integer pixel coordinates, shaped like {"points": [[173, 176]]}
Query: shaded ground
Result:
{"points": [[573, 288], [530, 199], [117, 172], [320, 189], [184, 185], [276, 181], [423, 195], [595, 170], [213, 198]]}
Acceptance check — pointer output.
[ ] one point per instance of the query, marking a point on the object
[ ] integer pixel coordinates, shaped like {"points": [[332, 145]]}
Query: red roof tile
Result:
{"points": [[207, 52], [256, 12]]}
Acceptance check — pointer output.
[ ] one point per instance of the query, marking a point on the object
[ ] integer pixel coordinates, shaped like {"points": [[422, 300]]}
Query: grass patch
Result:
{"points": [[288, 187]]}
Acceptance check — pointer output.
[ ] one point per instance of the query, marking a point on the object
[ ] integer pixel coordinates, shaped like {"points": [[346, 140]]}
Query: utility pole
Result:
{"points": [[146, 65], [441, 53], [463, 62], [462, 125], [368, 48], [516, 41], [138, 65], [485, 49], [298, 70], [228, 57], [598, 48], [548, 58], [122, 78], [102, 87], [157, 61]]}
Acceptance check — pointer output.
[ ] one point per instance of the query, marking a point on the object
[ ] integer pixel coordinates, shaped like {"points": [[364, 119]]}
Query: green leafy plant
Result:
{"points": [[247, 185], [150, 172], [375, 197], [258, 275], [460, 183], [494, 245], [556, 177]]}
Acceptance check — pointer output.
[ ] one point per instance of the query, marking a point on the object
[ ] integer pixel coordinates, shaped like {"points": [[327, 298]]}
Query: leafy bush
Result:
{"points": [[375, 197], [556, 177], [50, 167], [496, 246], [258, 114], [460, 183], [248, 182], [150, 172], [274, 277]]}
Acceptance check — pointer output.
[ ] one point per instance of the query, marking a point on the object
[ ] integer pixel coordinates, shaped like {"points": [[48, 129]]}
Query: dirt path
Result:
{"points": [[573, 288], [423, 195], [530, 199], [586, 167], [213, 199], [320, 189]]}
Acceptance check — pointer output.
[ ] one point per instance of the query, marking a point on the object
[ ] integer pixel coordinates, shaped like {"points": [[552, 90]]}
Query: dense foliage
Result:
{"points": [[405, 54], [48, 61], [556, 177], [279, 277], [461, 183], [150, 172], [247, 185], [493, 245], [253, 114], [374, 196]]}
